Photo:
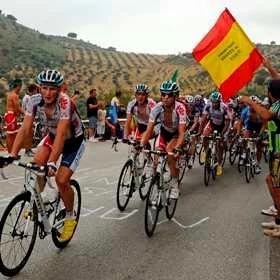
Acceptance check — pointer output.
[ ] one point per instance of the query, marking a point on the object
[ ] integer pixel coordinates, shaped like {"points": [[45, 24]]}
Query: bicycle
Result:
{"points": [[248, 156], [25, 214], [211, 161], [158, 194], [134, 176]]}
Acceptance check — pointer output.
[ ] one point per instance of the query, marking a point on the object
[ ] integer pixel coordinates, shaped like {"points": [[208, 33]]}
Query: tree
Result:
{"points": [[72, 35], [11, 17]]}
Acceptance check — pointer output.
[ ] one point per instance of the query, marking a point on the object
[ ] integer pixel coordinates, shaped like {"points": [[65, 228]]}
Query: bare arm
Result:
{"points": [[148, 133], [127, 125], [24, 132], [273, 72], [181, 137]]}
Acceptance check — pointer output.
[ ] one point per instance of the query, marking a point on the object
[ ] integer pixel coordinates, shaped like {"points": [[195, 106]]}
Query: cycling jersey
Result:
{"points": [[178, 116], [132, 108], [64, 109], [274, 129], [248, 123], [216, 116]]}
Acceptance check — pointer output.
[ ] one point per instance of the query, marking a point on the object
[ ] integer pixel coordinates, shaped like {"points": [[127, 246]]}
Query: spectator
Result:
{"points": [[13, 110], [75, 96], [113, 113], [92, 108], [31, 90], [101, 120]]}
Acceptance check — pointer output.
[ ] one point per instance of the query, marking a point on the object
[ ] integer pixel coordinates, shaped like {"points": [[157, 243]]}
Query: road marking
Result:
{"points": [[90, 211], [11, 179], [181, 225], [124, 215], [192, 225]]}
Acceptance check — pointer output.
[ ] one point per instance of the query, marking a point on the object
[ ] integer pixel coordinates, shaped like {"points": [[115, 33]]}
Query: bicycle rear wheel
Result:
{"points": [[207, 167], [153, 206], [233, 151], [61, 213], [248, 167], [125, 185], [16, 239]]}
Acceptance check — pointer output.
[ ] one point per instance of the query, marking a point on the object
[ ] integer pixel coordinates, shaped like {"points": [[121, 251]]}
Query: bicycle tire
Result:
{"points": [[59, 218], [18, 230], [233, 153], [145, 182], [248, 167], [170, 208], [152, 206], [207, 168], [182, 165], [122, 204]]}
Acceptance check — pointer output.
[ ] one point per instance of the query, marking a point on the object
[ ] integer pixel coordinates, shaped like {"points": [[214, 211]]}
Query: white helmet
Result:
{"points": [[189, 99]]}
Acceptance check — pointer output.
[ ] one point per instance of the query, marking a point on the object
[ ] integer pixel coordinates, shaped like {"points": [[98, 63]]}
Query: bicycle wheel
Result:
{"points": [[207, 167], [170, 208], [152, 206], [233, 151], [248, 167], [125, 185], [61, 213], [182, 164], [16, 238], [146, 180]]}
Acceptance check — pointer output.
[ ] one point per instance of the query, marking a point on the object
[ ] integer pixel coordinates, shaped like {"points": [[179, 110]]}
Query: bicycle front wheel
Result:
{"points": [[124, 190], [18, 231], [207, 168], [248, 167], [152, 206], [61, 213]]}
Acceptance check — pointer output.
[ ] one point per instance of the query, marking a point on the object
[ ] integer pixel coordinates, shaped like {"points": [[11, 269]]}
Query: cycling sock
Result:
{"points": [[69, 215]]}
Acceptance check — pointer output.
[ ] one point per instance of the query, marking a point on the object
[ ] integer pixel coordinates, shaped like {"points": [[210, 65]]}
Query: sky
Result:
{"points": [[145, 26]]}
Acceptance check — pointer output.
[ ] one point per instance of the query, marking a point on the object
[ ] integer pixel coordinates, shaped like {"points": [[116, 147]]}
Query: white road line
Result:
{"points": [[124, 215], [91, 211], [190, 226], [11, 179]]}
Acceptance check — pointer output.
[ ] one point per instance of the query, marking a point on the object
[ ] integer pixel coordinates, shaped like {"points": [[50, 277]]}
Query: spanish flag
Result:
{"points": [[228, 55]]}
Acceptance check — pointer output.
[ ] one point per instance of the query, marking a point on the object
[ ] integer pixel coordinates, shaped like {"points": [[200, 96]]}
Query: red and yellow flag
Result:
{"points": [[228, 55]]}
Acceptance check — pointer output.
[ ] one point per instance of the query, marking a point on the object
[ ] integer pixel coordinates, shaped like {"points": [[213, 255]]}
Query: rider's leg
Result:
{"points": [[41, 157]]}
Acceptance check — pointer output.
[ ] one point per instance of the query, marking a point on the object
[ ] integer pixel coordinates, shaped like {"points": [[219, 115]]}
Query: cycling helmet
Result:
{"points": [[274, 88], [265, 101], [215, 96], [198, 97], [254, 98], [169, 87], [50, 77], [142, 88], [189, 99]]}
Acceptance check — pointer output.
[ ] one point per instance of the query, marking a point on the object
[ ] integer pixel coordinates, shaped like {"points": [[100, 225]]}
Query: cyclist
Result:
{"points": [[253, 125], [65, 136], [273, 179], [13, 110], [171, 115], [215, 117], [138, 111]]}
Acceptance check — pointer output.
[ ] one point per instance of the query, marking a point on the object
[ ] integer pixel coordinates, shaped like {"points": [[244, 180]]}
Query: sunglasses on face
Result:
{"points": [[141, 93], [163, 94]]}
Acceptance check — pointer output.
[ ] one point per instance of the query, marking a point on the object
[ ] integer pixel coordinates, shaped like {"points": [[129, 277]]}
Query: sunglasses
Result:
{"points": [[168, 94], [141, 93]]}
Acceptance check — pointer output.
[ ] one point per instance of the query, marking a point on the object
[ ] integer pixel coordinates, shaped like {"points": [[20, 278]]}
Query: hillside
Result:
{"points": [[24, 52]]}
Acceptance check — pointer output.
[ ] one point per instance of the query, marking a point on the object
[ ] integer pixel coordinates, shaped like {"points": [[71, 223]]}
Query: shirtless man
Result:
{"points": [[13, 110]]}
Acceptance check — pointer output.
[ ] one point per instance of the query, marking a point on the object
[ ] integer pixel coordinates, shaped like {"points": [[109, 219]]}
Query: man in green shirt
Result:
{"points": [[272, 116]]}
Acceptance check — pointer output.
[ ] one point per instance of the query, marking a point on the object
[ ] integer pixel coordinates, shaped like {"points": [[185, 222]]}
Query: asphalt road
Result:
{"points": [[215, 234]]}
